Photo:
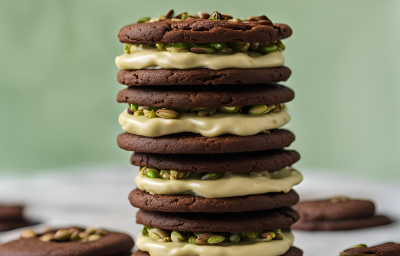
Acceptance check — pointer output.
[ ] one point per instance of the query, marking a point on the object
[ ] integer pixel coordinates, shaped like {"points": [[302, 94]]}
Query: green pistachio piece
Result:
{"points": [[254, 46], [216, 16], [28, 233], [215, 239], [359, 246], [267, 48], [161, 47], [61, 235], [46, 237], [177, 237], [91, 230], [179, 45], [165, 174], [153, 234], [226, 49], [94, 237], [167, 113], [216, 46], [176, 49], [169, 14], [280, 45], [229, 109], [267, 235], [152, 174], [191, 239], [266, 132], [154, 108], [162, 233], [204, 15], [138, 113], [239, 46], [143, 20], [212, 111], [259, 109], [74, 236], [202, 50], [184, 16], [198, 109], [212, 175], [176, 175], [278, 234], [127, 49], [203, 113], [250, 235], [235, 238], [145, 231], [134, 107], [151, 114]]}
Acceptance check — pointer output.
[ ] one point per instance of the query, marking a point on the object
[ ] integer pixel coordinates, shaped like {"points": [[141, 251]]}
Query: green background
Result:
{"points": [[58, 80]]}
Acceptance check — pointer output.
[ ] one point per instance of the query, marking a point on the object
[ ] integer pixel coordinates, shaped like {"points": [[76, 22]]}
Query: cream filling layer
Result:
{"points": [[141, 58], [230, 185], [209, 126], [271, 248]]}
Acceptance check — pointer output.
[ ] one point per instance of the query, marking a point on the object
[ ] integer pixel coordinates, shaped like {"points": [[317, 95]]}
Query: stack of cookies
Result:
{"points": [[203, 118]]}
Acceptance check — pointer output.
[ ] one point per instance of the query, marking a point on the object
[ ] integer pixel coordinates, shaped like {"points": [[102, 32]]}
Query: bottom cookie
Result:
{"points": [[292, 252], [349, 224], [6, 225]]}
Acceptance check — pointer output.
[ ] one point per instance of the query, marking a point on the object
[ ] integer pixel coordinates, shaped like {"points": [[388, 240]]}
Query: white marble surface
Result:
{"points": [[97, 196]]}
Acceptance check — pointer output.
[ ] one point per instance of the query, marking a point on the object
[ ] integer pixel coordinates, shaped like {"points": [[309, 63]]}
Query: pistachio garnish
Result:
{"points": [[204, 15], [215, 239], [192, 239], [127, 49], [62, 235], [138, 112], [46, 237], [259, 109], [250, 235], [216, 16], [177, 236], [175, 20], [278, 234], [150, 114], [216, 46], [176, 49], [200, 50], [212, 175], [229, 109], [254, 46], [268, 235], [143, 20], [169, 14], [338, 199], [257, 18], [267, 48], [239, 46], [167, 113], [226, 49], [153, 174], [94, 237], [235, 238], [28, 233]]}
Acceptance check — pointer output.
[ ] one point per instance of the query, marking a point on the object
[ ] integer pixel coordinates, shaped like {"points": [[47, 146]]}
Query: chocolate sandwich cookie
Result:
{"points": [[206, 97], [339, 213], [203, 76], [70, 241], [387, 249], [293, 251], [236, 162], [189, 143], [11, 217], [198, 30], [189, 203]]}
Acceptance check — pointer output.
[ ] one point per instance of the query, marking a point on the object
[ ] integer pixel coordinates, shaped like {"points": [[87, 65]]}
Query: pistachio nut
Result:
{"points": [[280, 45], [165, 174], [94, 237], [204, 15], [179, 16], [266, 132], [212, 175], [153, 174], [145, 231], [28, 233], [226, 49], [74, 236], [176, 49], [138, 113], [227, 17], [154, 20], [259, 109], [359, 246], [278, 234], [216, 46], [239, 46], [127, 49], [177, 175], [191, 239], [134, 107], [267, 235], [62, 235], [143, 20], [202, 238], [153, 234], [177, 236], [257, 18], [215, 239], [216, 16], [338, 199], [101, 232], [202, 50], [235, 238], [161, 47], [162, 233], [250, 235], [254, 46], [130, 112], [175, 20], [150, 114], [90, 230], [169, 14], [184, 16], [46, 237], [212, 111], [194, 16], [203, 112], [167, 113], [267, 48], [229, 109]]}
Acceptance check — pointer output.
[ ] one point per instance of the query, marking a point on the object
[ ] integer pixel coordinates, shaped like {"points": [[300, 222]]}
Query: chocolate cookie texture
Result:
{"points": [[338, 214], [293, 251], [202, 76], [224, 95], [10, 212], [236, 162], [111, 244], [189, 203], [202, 31], [219, 222], [387, 249], [190, 143]]}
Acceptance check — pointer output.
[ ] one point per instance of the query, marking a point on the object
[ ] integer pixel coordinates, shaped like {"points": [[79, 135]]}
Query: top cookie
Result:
{"points": [[185, 28]]}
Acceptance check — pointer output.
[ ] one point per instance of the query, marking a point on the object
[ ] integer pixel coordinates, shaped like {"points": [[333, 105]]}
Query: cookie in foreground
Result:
{"points": [[387, 249]]}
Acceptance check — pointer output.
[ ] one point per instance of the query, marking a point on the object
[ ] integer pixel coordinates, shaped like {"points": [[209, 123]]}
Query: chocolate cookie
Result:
{"points": [[387, 249], [190, 143], [189, 203], [293, 251], [112, 244], [338, 214], [236, 162], [202, 31], [11, 212], [224, 95], [6, 225], [219, 222], [202, 76]]}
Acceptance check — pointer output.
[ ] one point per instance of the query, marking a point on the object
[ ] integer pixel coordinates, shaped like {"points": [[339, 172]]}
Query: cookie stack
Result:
{"points": [[203, 118]]}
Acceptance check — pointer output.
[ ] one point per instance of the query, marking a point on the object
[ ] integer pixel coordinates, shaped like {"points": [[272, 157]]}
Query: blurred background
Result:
{"points": [[58, 81]]}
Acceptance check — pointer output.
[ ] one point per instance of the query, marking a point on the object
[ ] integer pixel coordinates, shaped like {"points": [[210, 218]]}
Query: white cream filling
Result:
{"points": [[145, 57], [209, 126], [230, 185], [271, 248]]}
